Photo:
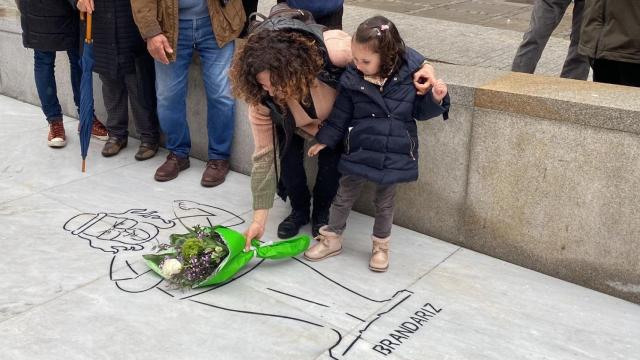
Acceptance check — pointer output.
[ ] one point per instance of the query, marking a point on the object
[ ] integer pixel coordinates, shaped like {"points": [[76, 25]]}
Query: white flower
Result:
{"points": [[171, 267]]}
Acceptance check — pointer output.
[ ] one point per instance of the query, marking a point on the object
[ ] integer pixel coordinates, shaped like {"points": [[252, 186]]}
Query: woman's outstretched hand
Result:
{"points": [[315, 149], [255, 231]]}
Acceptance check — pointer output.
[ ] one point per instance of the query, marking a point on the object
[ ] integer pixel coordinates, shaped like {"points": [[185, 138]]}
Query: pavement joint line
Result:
{"points": [[85, 177], [4, 202], [35, 306], [458, 249]]}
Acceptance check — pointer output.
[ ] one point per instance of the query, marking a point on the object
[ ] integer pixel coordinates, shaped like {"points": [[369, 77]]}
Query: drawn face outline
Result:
{"points": [[113, 232], [118, 229]]}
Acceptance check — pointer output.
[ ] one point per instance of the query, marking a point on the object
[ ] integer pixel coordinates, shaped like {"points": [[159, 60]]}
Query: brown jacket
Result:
{"points": [[155, 17], [611, 30]]}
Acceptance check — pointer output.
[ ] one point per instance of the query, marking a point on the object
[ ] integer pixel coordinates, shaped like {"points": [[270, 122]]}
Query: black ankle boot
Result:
{"points": [[290, 226], [319, 219]]}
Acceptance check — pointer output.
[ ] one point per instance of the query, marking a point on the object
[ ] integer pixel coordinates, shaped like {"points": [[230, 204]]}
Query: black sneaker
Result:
{"points": [[318, 220], [290, 226]]}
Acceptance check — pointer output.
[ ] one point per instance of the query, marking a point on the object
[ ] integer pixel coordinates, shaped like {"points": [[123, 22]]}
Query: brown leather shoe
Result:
{"points": [[146, 151], [171, 168], [215, 173], [113, 146]]}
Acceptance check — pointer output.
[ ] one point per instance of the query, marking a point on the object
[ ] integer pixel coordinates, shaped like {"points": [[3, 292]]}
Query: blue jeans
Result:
{"points": [[171, 88], [44, 65]]}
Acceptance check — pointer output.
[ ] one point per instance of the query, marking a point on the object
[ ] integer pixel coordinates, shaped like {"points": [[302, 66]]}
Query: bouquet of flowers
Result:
{"points": [[211, 255]]}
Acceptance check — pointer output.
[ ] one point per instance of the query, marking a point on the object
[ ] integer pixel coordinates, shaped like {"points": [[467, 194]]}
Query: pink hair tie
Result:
{"points": [[384, 27]]}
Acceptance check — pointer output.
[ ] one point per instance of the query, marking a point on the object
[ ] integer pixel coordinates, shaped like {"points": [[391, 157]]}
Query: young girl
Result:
{"points": [[374, 114]]}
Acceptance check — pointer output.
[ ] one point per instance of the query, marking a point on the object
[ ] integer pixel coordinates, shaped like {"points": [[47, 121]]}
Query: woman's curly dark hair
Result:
{"points": [[293, 59], [382, 37]]}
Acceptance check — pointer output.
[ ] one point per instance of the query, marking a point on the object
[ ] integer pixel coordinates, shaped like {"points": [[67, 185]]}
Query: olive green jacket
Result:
{"points": [[611, 30], [155, 17]]}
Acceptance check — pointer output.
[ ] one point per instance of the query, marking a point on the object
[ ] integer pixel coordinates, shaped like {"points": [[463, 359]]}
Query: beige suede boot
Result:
{"points": [[380, 254], [329, 244]]}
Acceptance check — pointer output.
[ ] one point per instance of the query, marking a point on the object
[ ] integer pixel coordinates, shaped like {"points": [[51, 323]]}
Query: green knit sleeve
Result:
{"points": [[263, 179]]}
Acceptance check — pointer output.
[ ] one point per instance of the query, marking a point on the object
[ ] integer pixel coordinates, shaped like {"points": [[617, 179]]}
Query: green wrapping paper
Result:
{"points": [[237, 258]]}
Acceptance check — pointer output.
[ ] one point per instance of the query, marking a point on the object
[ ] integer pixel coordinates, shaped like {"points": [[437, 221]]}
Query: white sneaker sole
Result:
{"points": [[98, 137], [56, 143], [102, 138]]}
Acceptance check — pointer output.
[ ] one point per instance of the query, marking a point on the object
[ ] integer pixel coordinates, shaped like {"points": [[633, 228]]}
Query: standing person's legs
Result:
{"points": [[142, 97], [616, 72], [330, 238], [348, 193], [171, 91], [630, 74], [114, 91], [294, 179], [220, 104], [98, 131], [605, 71], [325, 188], [545, 17], [115, 95], [44, 73], [75, 71], [385, 204], [576, 65]]}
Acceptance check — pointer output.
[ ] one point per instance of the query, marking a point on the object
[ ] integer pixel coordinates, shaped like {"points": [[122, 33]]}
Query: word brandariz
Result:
{"points": [[403, 331]]}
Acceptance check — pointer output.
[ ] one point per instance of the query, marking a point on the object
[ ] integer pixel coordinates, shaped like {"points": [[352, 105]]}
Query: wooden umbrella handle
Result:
{"points": [[88, 38], [88, 33]]}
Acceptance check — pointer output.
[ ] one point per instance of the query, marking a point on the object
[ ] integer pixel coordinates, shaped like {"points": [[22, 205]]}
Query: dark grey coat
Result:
{"points": [[49, 25], [116, 40]]}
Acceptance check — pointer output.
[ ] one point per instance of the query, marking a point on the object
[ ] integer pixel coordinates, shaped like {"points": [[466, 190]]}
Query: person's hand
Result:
{"points": [[85, 6], [315, 149], [439, 91], [158, 46], [424, 79], [255, 231]]}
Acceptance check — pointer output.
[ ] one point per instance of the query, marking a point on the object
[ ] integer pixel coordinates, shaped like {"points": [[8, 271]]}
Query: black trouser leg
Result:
{"points": [[327, 180], [293, 176]]}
